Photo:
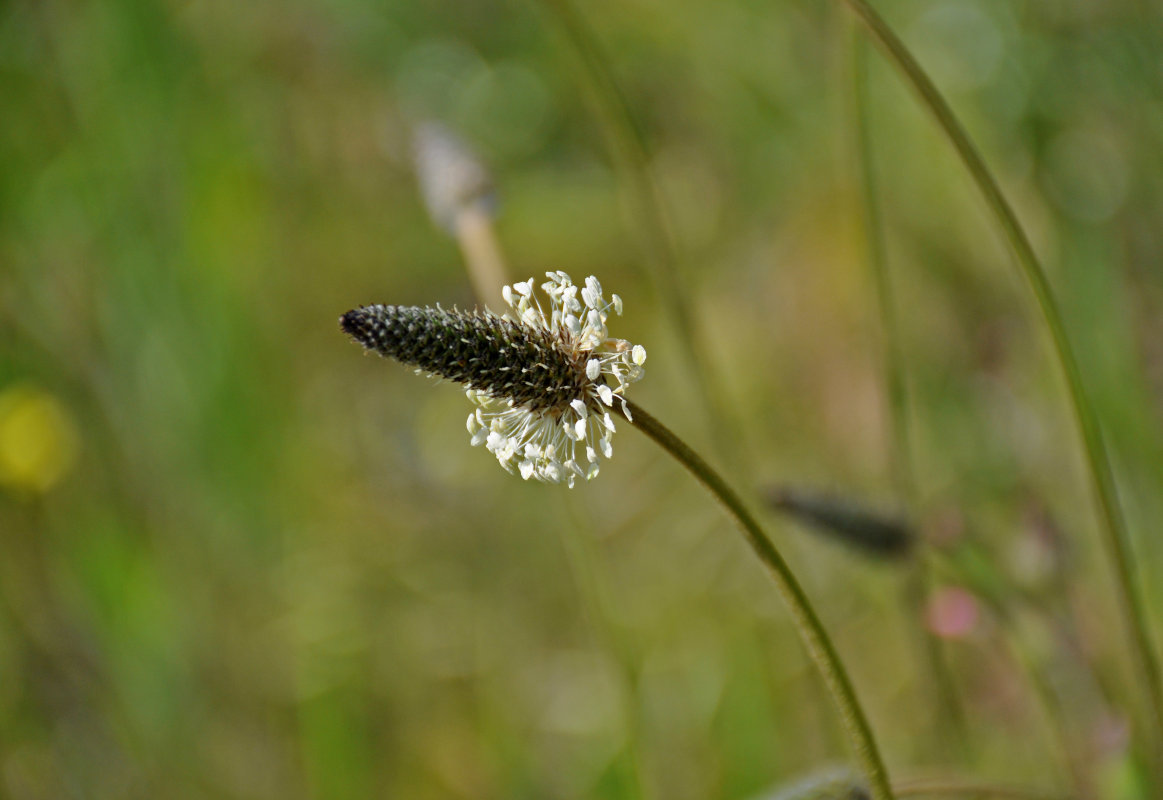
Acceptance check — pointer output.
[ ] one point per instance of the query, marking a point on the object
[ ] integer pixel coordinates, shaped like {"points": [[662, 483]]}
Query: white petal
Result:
{"points": [[607, 447], [609, 421], [579, 407], [580, 429], [524, 287], [626, 410], [526, 468], [606, 395], [591, 454], [592, 471], [617, 304], [589, 298], [507, 293], [593, 369], [479, 437], [593, 285], [472, 424], [639, 354]]}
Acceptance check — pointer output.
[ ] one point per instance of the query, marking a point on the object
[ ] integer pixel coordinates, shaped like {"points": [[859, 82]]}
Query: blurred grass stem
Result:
{"points": [[473, 229], [1033, 661], [460, 197], [1116, 537], [904, 474], [632, 159], [947, 705], [472, 225], [807, 622]]}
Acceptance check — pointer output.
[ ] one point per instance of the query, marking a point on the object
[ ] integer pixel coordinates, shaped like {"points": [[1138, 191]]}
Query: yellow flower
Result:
{"points": [[38, 440]]}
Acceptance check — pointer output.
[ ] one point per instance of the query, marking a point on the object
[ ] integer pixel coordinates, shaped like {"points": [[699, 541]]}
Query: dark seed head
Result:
{"points": [[868, 531], [530, 366]]}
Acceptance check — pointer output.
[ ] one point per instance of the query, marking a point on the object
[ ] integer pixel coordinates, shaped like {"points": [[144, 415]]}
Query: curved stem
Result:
{"points": [[1115, 536], [815, 639], [628, 145], [473, 229], [947, 705]]}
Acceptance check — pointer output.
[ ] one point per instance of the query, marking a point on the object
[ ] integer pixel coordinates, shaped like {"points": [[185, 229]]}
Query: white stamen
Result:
{"points": [[547, 446]]}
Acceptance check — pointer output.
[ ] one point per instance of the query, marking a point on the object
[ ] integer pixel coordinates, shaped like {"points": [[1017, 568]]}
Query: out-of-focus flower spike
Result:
{"points": [[867, 531], [461, 199], [829, 784], [542, 384], [452, 178]]}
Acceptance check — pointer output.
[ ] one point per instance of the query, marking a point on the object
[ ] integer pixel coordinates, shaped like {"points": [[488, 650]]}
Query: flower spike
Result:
{"points": [[543, 383]]}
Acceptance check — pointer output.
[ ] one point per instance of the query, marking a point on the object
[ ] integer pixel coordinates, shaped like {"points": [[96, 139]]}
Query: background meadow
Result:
{"points": [[239, 560]]}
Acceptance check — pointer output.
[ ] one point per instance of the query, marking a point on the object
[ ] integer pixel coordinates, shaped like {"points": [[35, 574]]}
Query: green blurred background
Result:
{"points": [[239, 560]]}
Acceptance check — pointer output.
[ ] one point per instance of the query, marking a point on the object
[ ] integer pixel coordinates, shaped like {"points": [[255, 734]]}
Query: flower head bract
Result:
{"points": [[543, 378]]}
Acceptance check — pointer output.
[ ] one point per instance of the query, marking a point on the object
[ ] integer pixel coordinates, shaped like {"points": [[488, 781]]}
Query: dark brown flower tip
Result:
{"points": [[356, 324], [867, 531], [532, 367]]}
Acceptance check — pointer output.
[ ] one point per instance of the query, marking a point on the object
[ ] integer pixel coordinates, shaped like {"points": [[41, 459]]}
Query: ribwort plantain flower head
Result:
{"points": [[543, 382]]}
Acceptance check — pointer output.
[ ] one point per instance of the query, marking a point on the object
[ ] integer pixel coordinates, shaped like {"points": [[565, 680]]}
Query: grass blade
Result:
{"points": [[947, 705], [1115, 535], [628, 145]]}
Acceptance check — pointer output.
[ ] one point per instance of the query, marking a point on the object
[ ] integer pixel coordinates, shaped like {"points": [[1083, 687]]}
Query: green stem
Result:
{"points": [[1038, 669], [902, 462], [1115, 536], [628, 144], [815, 638], [944, 688]]}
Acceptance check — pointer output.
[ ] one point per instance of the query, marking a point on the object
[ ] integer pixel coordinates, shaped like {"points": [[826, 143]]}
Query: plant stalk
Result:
{"points": [[815, 638], [947, 705], [1115, 535], [628, 145]]}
